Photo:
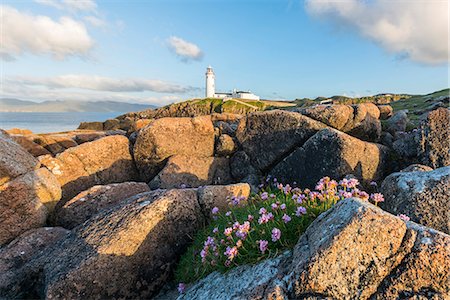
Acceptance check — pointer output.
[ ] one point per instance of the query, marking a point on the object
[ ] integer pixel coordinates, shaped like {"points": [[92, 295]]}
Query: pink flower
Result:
{"points": [[276, 234], [262, 211], [377, 197], [250, 218], [231, 253], [228, 231], [300, 211], [263, 245], [272, 195], [274, 206], [215, 210], [283, 206], [227, 263], [363, 195], [265, 218], [228, 213], [403, 217], [286, 218], [181, 288], [352, 183], [373, 183], [300, 198], [239, 244], [264, 196], [215, 230]]}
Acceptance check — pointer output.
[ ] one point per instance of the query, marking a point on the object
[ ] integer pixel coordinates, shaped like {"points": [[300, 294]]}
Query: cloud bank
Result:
{"points": [[24, 33], [99, 83], [185, 50], [416, 29], [71, 5]]}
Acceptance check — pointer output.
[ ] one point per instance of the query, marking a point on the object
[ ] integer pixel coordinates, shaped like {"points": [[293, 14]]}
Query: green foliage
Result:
{"points": [[234, 238]]}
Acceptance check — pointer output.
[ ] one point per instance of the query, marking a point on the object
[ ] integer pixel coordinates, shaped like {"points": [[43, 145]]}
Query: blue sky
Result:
{"points": [[127, 50]]}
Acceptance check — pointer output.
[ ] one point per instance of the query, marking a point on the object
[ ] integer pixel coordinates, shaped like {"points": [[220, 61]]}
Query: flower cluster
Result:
{"points": [[268, 223]]}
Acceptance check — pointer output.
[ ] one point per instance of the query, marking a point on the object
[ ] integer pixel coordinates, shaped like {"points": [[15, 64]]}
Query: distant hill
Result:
{"points": [[16, 105]]}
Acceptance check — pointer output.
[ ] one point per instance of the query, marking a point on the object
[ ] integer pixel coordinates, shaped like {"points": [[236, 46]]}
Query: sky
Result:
{"points": [[156, 52]]}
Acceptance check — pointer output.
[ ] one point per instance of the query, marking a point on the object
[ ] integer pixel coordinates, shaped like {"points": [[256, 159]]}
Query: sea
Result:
{"points": [[44, 122]]}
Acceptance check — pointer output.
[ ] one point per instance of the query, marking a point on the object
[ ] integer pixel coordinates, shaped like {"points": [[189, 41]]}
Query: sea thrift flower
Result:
{"points": [[263, 245], [274, 206], [215, 210], [276, 234], [363, 195], [403, 217], [283, 206], [377, 197], [300, 211], [215, 230], [272, 195], [265, 218], [287, 189], [250, 218], [231, 253], [239, 244], [228, 213], [286, 218], [264, 196], [300, 198], [228, 231], [373, 183], [227, 263], [181, 288], [352, 183], [262, 211]]}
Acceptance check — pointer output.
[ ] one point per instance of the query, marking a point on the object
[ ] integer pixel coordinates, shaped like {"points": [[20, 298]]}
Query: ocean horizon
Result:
{"points": [[45, 122]]}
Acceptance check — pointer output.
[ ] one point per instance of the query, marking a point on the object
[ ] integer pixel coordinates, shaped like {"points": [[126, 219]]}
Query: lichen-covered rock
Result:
{"points": [[91, 125], [127, 252], [103, 161], [55, 142], [220, 196], [27, 143], [94, 200], [397, 122], [23, 202], [422, 195], [335, 154], [225, 145], [417, 167], [270, 135], [111, 124], [386, 111], [434, 144], [241, 166], [191, 171], [17, 272], [14, 159], [166, 137]]}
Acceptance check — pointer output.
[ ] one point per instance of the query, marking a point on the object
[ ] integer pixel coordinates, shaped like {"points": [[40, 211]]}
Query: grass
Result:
{"points": [[234, 237]]}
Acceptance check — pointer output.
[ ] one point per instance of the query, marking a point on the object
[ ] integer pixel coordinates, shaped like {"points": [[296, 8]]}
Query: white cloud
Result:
{"points": [[95, 21], [23, 33], [99, 83], [417, 29], [71, 5], [184, 49]]}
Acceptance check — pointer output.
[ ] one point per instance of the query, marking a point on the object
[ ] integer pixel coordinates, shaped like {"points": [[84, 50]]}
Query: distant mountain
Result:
{"points": [[16, 105]]}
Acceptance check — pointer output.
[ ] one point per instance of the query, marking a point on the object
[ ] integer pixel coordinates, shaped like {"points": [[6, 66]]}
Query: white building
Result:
{"points": [[211, 89]]}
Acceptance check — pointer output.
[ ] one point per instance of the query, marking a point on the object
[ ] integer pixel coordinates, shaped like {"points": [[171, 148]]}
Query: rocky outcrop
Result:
{"points": [[434, 141], [91, 126], [398, 122], [25, 202], [334, 154], [386, 111], [17, 271], [220, 196], [103, 161], [94, 200], [225, 145], [28, 144], [269, 136], [166, 137], [191, 171], [14, 160], [361, 121], [128, 252], [422, 195], [353, 251]]}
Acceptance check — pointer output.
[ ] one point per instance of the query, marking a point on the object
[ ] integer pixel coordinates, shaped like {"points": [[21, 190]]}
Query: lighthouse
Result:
{"points": [[210, 86]]}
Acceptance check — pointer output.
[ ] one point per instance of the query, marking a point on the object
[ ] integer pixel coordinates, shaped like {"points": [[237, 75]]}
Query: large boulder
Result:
{"points": [[225, 145], [17, 272], [361, 121], [165, 137], [220, 196], [269, 136], [191, 171], [103, 161], [422, 195], [32, 147], [56, 142], [398, 122], [353, 251], [335, 154], [14, 160], [127, 252], [23, 202], [94, 200], [434, 144], [386, 111]]}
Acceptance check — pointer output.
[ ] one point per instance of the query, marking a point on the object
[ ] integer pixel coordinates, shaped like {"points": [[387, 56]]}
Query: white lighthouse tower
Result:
{"points": [[210, 86]]}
